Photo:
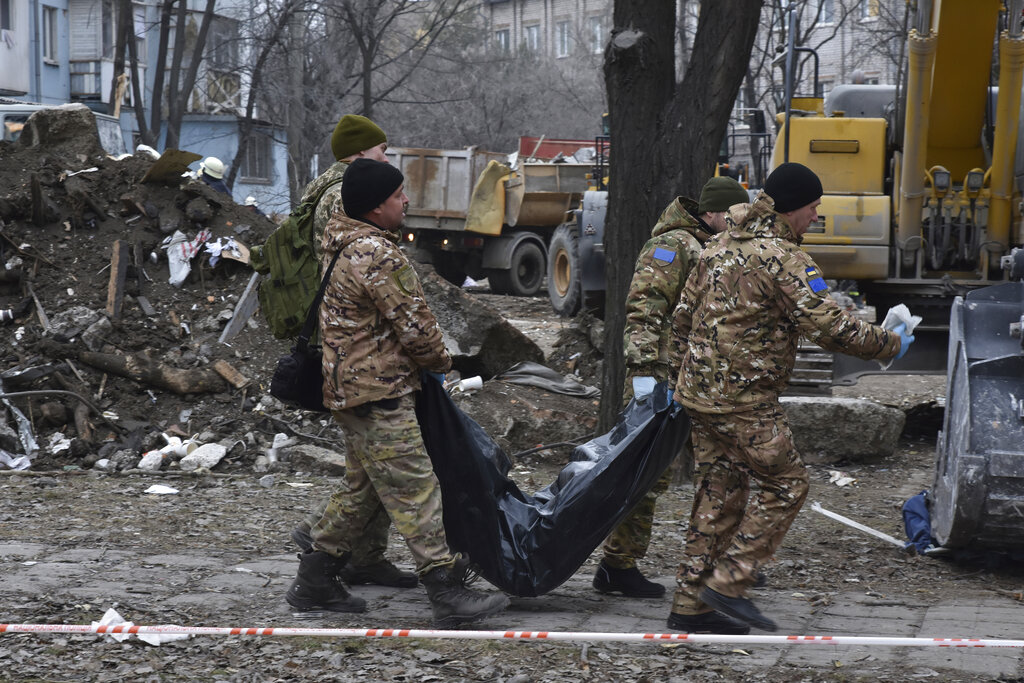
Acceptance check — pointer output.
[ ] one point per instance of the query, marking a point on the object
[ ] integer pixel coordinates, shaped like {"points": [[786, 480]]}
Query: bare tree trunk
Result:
{"points": [[296, 109], [245, 124], [124, 16], [157, 105], [182, 86], [665, 135]]}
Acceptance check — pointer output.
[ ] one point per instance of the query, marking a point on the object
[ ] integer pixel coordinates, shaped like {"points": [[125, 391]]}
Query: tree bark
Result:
{"points": [[665, 135]]}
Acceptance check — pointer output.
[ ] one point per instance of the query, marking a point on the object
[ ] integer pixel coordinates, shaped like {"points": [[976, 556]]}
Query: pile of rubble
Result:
{"points": [[114, 350]]}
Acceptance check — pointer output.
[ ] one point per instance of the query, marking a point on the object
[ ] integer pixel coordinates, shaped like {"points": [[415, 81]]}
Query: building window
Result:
{"points": [[868, 9], [501, 40], [5, 15], [562, 39], [826, 11], [596, 32], [223, 82], [531, 38], [107, 28], [256, 164], [50, 34]]}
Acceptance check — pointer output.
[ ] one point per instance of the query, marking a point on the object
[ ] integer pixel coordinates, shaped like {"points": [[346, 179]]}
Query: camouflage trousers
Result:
{"points": [[369, 545], [731, 537], [628, 542], [387, 467]]}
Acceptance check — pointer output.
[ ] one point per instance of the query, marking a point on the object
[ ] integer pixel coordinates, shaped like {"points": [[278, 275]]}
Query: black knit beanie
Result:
{"points": [[366, 184], [792, 186]]}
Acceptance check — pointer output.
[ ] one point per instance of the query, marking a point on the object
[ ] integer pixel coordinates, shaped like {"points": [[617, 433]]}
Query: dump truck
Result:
{"points": [[922, 185], [481, 214]]}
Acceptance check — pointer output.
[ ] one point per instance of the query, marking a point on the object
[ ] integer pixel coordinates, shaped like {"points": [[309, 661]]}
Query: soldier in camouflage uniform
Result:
{"points": [[378, 334], [354, 137], [752, 294], [659, 276]]}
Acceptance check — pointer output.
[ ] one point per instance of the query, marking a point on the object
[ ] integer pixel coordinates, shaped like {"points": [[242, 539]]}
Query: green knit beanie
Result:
{"points": [[720, 193], [354, 134]]}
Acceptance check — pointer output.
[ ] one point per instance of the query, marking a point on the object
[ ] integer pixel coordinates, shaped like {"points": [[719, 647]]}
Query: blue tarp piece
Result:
{"points": [[918, 522], [529, 545]]}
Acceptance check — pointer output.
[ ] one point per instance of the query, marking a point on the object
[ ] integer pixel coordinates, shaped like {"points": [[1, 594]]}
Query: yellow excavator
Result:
{"points": [[922, 206], [922, 183]]}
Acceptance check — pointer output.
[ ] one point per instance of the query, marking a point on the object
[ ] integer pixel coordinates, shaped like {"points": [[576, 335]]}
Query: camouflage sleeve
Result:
{"points": [[652, 296], [325, 209], [682, 321], [396, 290], [822, 321]]}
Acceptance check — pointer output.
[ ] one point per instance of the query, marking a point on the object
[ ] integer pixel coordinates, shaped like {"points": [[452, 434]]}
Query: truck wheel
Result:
{"points": [[564, 272], [450, 267], [526, 272]]}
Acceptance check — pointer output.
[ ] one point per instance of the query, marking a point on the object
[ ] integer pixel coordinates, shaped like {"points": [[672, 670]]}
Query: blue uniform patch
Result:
{"points": [[664, 255], [814, 279]]}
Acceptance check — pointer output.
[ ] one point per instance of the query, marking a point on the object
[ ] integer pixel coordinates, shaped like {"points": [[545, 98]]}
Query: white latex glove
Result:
{"points": [[643, 386]]}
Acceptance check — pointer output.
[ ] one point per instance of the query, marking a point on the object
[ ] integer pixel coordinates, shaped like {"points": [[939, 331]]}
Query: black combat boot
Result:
{"points": [[740, 609], [381, 573], [454, 604], [708, 622], [318, 587], [630, 582]]}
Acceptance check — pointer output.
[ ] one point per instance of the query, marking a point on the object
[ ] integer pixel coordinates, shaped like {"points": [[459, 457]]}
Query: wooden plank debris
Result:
{"points": [[118, 273], [233, 376]]}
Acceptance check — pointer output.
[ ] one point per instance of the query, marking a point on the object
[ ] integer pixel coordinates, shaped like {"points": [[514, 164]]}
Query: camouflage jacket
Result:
{"points": [[377, 329], [659, 276], [751, 295], [329, 203]]}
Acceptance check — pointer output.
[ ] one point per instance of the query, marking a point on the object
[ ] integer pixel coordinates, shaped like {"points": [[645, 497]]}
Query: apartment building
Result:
{"points": [[555, 28]]}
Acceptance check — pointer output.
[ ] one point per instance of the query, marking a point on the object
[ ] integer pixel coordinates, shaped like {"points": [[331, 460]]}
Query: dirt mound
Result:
{"points": [[65, 207]]}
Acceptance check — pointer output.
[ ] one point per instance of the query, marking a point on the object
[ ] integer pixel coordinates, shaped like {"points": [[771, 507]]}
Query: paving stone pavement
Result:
{"points": [[247, 590]]}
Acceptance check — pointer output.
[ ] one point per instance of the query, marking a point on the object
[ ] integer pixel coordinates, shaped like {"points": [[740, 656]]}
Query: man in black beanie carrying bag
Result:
{"points": [[751, 296], [378, 335]]}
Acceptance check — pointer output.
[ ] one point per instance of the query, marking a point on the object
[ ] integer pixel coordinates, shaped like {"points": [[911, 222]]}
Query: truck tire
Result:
{"points": [[564, 288], [525, 274]]}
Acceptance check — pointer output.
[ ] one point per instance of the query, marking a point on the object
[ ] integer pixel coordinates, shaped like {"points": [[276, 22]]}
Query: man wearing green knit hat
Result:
{"points": [[355, 137]]}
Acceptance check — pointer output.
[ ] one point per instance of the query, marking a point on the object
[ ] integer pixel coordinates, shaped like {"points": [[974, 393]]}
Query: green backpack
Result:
{"points": [[292, 270]]}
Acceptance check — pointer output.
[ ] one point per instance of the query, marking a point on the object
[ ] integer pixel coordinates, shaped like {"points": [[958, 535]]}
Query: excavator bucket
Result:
{"points": [[977, 499]]}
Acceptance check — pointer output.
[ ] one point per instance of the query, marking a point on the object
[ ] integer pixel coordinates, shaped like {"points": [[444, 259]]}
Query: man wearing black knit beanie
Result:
{"points": [[752, 294], [378, 337]]}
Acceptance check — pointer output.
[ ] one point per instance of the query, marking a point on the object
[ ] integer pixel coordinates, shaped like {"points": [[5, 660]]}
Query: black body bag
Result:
{"points": [[529, 545], [298, 379]]}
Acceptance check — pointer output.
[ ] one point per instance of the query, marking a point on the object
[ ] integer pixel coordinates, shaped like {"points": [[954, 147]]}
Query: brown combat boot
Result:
{"points": [[453, 604], [317, 586]]}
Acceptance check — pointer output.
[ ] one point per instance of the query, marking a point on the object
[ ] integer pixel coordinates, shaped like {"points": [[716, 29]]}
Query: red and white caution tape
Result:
{"points": [[510, 635]]}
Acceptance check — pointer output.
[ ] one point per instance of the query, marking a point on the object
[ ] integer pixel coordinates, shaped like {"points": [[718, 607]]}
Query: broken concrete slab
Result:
{"points": [[312, 458], [479, 339], [828, 430]]}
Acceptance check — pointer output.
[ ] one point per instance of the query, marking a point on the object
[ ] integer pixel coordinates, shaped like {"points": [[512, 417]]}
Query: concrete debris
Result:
{"points": [[828, 430]]}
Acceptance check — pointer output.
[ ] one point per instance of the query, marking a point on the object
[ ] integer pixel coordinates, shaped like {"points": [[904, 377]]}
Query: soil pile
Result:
{"points": [[65, 210]]}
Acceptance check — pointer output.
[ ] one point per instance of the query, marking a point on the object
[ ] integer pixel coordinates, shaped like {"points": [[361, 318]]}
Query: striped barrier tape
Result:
{"points": [[510, 635]]}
